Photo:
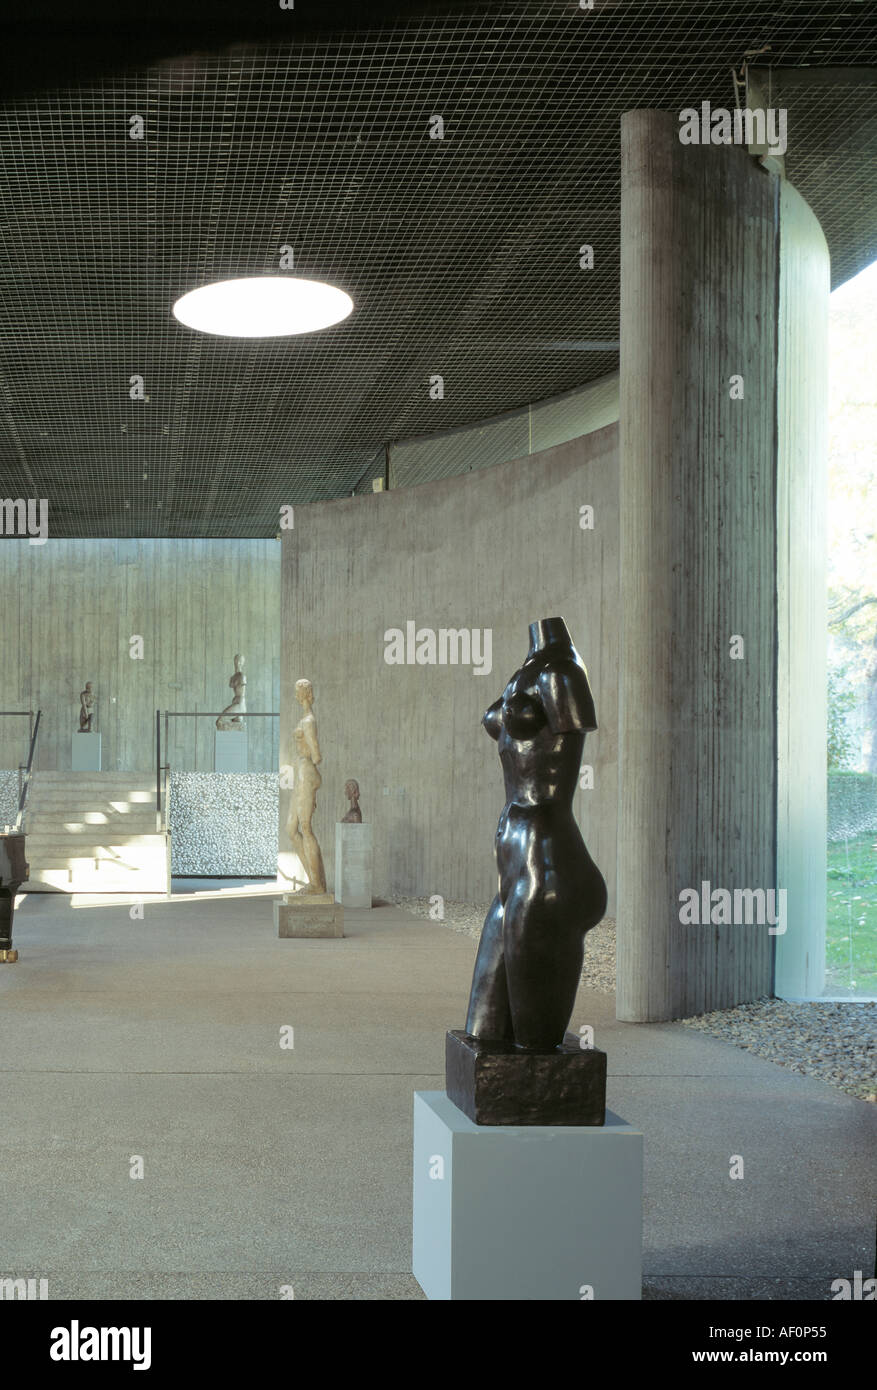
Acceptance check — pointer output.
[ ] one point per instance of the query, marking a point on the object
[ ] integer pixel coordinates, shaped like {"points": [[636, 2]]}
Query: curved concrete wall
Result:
{"points": [[530, 430], [493, 549]]}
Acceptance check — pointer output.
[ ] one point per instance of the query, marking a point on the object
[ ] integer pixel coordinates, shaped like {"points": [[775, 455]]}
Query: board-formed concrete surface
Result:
{"points": [[269, 1167], [455, 555]]}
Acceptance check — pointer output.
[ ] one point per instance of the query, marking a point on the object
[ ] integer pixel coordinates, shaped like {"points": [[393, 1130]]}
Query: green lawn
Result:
{"points": [[851, 940]]}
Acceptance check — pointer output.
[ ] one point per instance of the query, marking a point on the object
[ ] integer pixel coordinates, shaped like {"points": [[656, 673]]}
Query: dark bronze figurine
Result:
{"points": [[86, 708], [550, 890], [354, 814]]}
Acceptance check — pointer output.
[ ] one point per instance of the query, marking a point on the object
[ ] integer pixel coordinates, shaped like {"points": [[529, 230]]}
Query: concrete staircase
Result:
{"points": [[95, 832]]}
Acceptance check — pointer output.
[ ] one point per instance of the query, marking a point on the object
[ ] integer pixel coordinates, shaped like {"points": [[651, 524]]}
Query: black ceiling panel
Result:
{"points": [[461, 254]]}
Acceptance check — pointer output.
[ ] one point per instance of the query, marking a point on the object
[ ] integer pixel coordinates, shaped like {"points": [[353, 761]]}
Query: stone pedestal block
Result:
{"points": [[353, 864], [496, 1084], [528, 1212], [85, 752], [316, 914], [230, 750]]}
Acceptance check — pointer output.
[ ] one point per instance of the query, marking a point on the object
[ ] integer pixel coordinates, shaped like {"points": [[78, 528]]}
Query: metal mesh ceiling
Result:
{"points": [[461, 254], [833, 160]]}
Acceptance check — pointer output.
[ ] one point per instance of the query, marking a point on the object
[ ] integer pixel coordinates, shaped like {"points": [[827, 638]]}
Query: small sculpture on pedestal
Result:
{"points": [[86, 709], [354, 814], [230, 718], [514, 1063], [306, 784]]}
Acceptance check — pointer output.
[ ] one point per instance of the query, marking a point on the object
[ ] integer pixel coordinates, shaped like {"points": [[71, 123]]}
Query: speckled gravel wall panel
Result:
{"points": [[223, 823], [8, 797]]}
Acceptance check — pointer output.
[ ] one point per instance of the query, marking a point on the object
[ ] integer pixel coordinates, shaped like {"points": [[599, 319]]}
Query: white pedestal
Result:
{"points": [[230, 750], [353, 864], [85, 755], [527, 1212]]}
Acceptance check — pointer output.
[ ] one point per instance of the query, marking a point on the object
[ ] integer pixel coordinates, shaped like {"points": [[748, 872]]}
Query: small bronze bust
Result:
{"points": [[354, 815]]}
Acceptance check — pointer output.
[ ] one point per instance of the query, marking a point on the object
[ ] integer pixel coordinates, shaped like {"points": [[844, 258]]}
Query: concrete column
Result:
{"points": [[697, 729], [802, 501]]}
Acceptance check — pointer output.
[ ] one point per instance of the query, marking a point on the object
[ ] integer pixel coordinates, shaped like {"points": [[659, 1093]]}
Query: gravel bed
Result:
{"points": [[835, 1041], [467, 919]]}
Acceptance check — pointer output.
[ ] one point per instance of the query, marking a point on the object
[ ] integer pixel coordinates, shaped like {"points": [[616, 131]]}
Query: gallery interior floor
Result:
{"points": [[266, 1166]]}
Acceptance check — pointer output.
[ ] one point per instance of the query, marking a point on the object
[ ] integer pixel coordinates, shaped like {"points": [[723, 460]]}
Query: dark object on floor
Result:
{"points": [[13, 872]]}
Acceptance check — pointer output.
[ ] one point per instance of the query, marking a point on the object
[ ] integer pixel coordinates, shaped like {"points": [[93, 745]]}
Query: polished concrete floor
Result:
{"points": [[266, 1167]]}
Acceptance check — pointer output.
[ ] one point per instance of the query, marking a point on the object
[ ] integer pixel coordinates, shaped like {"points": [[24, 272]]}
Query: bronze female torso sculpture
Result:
{"points": [[550, 890]]}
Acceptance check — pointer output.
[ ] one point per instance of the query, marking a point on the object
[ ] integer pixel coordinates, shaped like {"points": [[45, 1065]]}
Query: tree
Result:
{"points": [[841, 703]]}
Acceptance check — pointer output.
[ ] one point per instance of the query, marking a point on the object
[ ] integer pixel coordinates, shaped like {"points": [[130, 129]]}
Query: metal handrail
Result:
{"points": [[25, 784], [191, 714], [158, 770]]}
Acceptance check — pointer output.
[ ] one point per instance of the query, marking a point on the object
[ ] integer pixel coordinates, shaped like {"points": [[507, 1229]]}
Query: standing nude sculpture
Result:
{"points": [[230, 718], [306, 783], [86, 709], [354, 814], [550, 890]]}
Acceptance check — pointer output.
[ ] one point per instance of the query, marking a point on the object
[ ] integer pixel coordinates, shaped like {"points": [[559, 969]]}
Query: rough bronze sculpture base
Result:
{"points": [[497, 1084]]}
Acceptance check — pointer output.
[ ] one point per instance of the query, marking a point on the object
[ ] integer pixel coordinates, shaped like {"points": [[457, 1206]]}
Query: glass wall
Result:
{"points": [[851, 942]]}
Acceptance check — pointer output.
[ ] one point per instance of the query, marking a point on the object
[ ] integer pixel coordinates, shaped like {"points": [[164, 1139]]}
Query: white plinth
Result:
{"points": [[525, 1212], [353, 864], [230, 750], [85, 755]]}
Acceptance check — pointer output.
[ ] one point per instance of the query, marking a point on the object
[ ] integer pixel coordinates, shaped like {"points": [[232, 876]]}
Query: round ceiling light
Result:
{"points": [[264, 306]]}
